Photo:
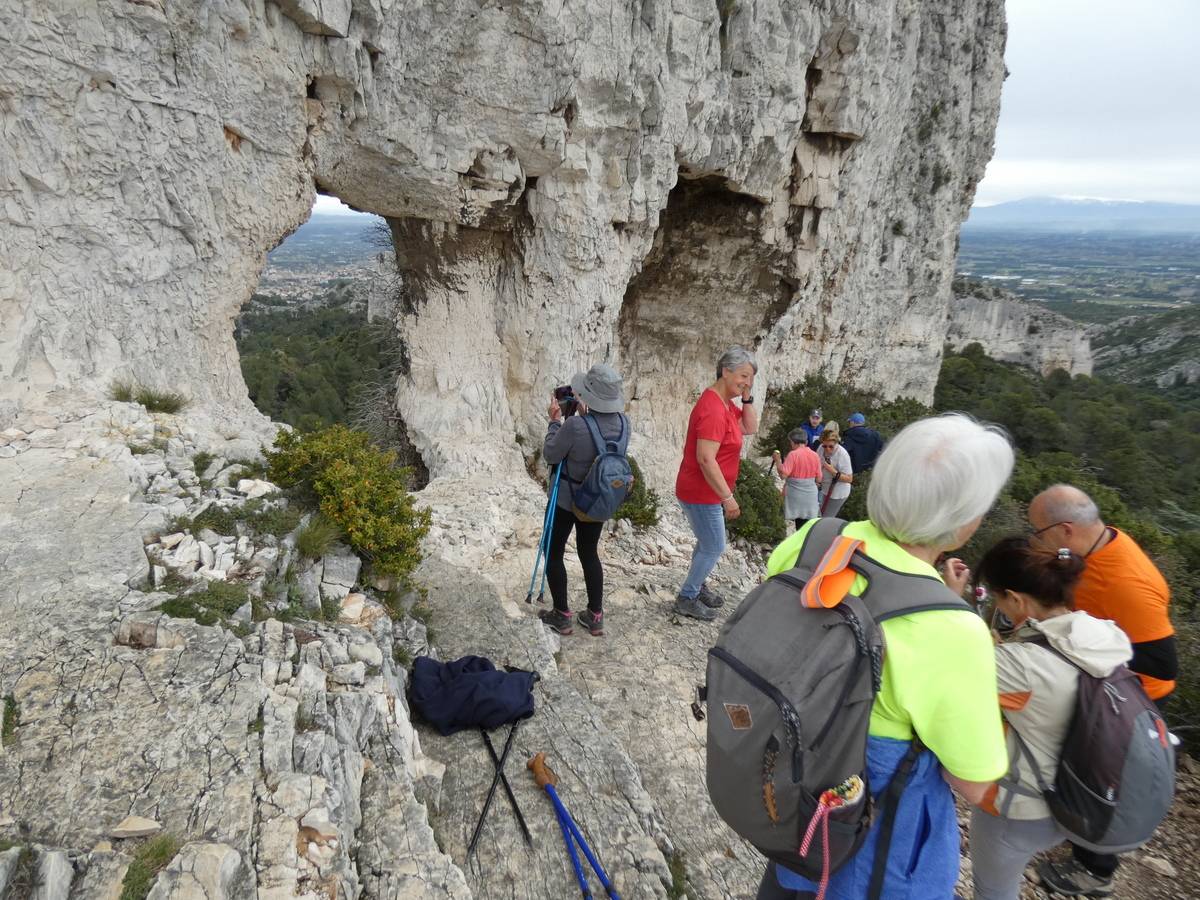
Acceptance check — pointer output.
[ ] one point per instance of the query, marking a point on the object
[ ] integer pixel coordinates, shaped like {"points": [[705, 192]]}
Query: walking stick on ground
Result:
{"points": [[544, 542], [487, 803], [546, 779]]}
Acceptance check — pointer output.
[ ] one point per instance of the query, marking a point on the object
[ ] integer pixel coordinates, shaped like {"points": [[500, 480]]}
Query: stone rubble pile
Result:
{"points": [[281, 760]]}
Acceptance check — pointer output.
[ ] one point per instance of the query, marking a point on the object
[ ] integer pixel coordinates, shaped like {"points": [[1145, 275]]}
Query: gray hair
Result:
{"points": [[798, 436], [936, 476], [1067, 503], [735, 358]]}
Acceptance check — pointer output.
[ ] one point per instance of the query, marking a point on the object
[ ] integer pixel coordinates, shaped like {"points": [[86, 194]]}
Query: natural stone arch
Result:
{"points": [[525, 154]]}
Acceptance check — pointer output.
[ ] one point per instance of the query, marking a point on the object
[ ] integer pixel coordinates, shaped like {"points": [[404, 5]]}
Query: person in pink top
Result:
{"points": [[802, 473]]}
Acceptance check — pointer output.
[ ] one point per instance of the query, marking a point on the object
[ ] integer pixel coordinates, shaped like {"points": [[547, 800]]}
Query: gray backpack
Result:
{"points": [[790, 686], [1116, 773], [610, 478]]}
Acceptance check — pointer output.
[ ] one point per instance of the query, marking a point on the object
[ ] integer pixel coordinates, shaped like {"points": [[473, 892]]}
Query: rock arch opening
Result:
{"points": [[712, 279], [317, 339]]}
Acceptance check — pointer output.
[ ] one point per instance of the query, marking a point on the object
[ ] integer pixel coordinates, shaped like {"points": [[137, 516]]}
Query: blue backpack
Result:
{"points": [[608, 481]]}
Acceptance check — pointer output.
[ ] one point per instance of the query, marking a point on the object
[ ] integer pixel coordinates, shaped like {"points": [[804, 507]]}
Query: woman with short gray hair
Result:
{"points": [[712, 452], [936, 703]]}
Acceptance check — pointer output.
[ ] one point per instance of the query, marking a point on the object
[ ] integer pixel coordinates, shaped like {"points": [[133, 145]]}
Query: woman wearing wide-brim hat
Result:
{"points": [[599, 394]]}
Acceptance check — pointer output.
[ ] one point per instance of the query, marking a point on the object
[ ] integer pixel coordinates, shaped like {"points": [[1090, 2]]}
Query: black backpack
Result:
{"points": [[790, 687], [1116, 772]]}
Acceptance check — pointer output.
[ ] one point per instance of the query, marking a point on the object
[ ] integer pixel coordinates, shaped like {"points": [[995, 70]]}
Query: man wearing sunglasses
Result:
{"points": [[1120, 583]]}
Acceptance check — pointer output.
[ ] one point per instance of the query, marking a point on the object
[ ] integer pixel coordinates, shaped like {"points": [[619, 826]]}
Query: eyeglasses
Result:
{"points": [[1048, 527]]}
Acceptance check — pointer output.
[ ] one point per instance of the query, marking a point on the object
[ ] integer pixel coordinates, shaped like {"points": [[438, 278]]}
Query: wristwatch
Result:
{"points": [[749, 399]]}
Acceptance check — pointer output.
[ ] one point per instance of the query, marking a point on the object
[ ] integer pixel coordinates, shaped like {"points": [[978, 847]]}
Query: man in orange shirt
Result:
{"points": [[1120, 583]]}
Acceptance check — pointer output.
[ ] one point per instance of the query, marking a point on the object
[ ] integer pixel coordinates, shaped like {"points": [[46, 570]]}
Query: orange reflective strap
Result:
{"points": [[833, 577]]}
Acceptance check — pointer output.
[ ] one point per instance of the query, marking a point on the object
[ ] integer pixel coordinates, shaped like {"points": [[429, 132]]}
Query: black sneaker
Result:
{"points": [[708, 598], [1073, 880], [593, 622], [558, 621]]}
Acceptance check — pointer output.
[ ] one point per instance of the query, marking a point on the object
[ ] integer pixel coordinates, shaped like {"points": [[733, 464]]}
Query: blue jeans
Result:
{"points": [[708, 524]]}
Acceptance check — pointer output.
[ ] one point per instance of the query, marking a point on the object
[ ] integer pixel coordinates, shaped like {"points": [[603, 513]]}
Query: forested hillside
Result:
{"points": [[308, 367]]}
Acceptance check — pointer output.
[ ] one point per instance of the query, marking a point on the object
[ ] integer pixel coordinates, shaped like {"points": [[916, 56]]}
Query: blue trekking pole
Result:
{"points": [[544, 543], [546, 779], [549, 528]]}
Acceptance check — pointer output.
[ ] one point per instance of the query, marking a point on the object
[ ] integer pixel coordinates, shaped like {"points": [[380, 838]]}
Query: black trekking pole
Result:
{"points": [[487, 803], [512, 800]]}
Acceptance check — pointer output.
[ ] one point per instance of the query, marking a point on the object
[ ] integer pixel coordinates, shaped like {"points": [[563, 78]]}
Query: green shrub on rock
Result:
{"points": [[641, 506], [359, 488], [761, 520]]}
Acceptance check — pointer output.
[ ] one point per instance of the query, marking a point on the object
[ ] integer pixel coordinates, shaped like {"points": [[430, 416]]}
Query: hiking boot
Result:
{"points": [[593, 622], [708, 598], [694, 607], [1072, 880], [559, 621]]}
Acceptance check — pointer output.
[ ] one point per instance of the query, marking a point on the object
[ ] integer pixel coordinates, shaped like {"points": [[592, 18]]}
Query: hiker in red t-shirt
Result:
{"points": [[709, 470]]}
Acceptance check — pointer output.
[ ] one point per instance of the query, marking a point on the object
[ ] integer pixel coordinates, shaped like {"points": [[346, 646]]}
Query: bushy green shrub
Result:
{"points": [[761, 519], [215, 518], [641, 506], [836, 402], [317, 537], [266, 516], [359, 488], [8, 731]]}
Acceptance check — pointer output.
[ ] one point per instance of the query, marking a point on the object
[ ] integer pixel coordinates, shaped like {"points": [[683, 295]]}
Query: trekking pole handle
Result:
{"points": [[542, 773]]}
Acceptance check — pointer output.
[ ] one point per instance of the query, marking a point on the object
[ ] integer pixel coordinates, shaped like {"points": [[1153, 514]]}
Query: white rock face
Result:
{"points": [[1014, 330], [644, 184]]}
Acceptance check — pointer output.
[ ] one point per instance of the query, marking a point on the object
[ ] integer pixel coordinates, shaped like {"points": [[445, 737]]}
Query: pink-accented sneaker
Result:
{"points": [[558, 621], [593, 622]]}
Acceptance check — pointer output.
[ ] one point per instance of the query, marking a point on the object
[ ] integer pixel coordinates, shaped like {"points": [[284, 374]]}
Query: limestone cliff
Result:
{"points": [[645, 183], [1015, 330]]}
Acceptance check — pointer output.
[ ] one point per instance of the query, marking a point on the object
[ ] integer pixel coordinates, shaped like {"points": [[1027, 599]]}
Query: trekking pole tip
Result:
{"points": [[542, 773]]}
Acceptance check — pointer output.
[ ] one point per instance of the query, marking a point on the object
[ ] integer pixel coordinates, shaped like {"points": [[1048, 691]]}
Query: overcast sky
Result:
{"points": [[1102, 100]]}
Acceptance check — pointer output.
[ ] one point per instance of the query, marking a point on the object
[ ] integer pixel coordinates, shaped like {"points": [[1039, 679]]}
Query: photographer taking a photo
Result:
{"points": [[598, 395]]}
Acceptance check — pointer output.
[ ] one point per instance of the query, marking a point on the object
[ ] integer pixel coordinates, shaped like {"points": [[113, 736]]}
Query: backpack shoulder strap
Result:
{"points": [[594, 429], [623, 437], [820, 536], [890, 594]]}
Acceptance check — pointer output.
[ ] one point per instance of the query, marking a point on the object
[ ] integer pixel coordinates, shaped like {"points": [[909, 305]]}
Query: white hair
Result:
{"points": [[1067, 503], [936, 476], [735, 358]]}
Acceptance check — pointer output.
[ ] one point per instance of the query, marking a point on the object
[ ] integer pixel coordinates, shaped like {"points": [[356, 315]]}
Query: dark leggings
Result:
{"points": [[799, 523], [587, 542]]}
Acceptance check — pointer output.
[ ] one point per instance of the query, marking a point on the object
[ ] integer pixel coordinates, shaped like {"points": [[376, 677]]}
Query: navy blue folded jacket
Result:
{"points": [[470, 693]]}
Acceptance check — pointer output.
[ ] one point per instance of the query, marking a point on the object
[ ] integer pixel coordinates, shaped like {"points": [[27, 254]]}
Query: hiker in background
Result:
{"points": [[600, 395], [801, 472], [813, 428], [1119, 582], [836, 472], [862, 443], [1033, 587], [708, 472], [931, 488]]}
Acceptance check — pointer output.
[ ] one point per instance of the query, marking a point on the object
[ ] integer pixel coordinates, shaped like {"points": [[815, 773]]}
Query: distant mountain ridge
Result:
{"points": [[1062, 214]]}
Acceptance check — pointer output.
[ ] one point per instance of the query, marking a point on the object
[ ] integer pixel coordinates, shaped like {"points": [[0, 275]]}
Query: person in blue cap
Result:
{"points": [[862, 443]]}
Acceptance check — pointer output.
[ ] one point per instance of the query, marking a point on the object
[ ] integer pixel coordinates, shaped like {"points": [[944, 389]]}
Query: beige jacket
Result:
{"points": [[1037, 698]]}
